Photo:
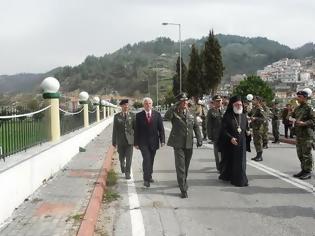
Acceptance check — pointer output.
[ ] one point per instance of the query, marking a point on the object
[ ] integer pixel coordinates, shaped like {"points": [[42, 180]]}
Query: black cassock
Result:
{"points": [[233, 164]]}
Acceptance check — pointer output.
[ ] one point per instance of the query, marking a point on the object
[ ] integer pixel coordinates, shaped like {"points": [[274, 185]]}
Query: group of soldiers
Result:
{"points": [[189, 115], [298, 119]]}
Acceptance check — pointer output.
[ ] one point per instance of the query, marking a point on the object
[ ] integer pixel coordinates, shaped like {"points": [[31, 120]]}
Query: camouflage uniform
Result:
{"points": [[275, 122], [304, 135], [266, 126], [260, 116]]}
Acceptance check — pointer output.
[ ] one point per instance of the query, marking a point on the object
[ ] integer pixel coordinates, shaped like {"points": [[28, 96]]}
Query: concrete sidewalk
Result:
{"points": [[58, 206]]}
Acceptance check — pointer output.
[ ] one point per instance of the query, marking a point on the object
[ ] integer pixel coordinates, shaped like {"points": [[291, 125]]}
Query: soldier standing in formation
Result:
{"points": [[123, 136], [266, 123], [181, 138], [287, 123], [214, 118], [275, 122], [303, 126], [258, 118], [201, 112]]}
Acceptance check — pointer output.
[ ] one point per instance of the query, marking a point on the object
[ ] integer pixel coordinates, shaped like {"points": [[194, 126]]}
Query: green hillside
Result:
{"points": [[131, 70]]}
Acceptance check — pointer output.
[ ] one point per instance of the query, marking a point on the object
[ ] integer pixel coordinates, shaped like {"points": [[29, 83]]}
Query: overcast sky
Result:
{"points": [[39, 35]]}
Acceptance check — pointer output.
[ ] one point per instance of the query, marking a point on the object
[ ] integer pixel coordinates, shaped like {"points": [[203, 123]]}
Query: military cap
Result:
{"points": [[302, 93], [182, 97], [216, 97], [123, 101]]}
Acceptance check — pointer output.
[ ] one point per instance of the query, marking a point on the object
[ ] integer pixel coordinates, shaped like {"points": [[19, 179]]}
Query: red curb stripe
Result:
{"points": [[91, 214]]}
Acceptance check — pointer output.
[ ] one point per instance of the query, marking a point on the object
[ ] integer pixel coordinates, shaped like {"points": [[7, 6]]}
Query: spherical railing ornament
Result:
{"points": [[83, 97], [103, 102], [96, 100], [50, 86], [249, 97]]}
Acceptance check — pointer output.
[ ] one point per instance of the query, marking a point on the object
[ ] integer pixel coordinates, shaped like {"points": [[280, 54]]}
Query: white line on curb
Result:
{"points": [[135, 209]]}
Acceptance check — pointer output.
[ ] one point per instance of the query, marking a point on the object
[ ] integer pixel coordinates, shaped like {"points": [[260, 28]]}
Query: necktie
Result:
{"points": [[148, 117]]}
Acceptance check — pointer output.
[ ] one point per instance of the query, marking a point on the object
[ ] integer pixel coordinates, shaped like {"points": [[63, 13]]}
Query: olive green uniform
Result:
{"points": [[304, 135], [181, 139]]}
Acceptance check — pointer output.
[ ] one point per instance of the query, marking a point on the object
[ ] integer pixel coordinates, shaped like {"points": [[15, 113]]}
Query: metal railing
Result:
{"points": [[92, 116], [19, 132], [70, 121]]}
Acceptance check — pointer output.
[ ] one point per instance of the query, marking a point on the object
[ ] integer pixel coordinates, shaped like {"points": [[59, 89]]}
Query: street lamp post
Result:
{"points": [[180, 53], [157, 89]]}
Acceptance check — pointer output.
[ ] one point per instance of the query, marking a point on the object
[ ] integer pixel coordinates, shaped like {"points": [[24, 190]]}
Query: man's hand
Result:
{"points": [[199, 143], [234, 141]]}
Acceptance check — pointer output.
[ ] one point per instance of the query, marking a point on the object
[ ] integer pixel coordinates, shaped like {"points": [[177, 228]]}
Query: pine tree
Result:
{"points": [[212, 64], [194, 74], [176, 82]]}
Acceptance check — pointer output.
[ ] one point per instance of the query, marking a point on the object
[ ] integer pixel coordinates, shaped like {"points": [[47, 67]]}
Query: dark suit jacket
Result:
{"points": [[149, 134]]}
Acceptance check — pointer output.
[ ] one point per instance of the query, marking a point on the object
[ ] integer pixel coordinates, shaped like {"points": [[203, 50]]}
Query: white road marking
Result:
{"points": [[135, 209], [296, 182]]}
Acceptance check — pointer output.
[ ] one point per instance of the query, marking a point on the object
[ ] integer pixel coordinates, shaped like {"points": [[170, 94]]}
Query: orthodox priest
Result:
{"points": [[232, 143]]}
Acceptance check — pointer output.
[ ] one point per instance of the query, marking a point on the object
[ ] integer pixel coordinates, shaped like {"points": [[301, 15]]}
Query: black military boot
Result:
{"points": [[306, 175], [298, 175], [258, 157]]}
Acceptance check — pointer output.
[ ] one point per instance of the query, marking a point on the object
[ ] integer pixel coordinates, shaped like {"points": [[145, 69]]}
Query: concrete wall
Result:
{"points": [[21, 179]]}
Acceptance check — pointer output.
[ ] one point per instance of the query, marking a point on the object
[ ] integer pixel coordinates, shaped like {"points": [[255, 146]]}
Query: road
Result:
{"points": [[273, 204]]}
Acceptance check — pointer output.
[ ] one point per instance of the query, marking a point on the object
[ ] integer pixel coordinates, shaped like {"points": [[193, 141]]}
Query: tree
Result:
{"points": [[194, 74], [176, 80], [212, 64], [256, 86]]}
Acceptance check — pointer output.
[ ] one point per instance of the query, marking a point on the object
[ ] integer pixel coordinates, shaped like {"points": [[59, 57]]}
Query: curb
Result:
{"points": [[91, 214]]}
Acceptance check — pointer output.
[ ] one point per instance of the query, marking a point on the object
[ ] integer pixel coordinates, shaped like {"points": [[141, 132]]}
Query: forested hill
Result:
{"points": [[128, 69]]}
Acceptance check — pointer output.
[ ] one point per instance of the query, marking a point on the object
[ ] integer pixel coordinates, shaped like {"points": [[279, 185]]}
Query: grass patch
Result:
{"points": [[110, 196], [76, 217], [111, 178]]}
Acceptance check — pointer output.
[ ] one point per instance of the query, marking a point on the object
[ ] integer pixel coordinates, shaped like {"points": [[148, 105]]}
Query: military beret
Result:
{"points": [[123, 101], [216, 97], [182, 97], [302, 93]]}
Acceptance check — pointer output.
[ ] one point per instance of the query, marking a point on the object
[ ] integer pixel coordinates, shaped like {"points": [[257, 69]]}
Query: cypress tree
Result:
{"points": [[194, 74], [212, 64], [176, 78]]}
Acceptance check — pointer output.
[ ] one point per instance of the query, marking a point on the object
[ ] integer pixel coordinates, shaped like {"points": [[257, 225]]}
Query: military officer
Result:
{"points": [[303, 126], [258, 117], [181, 138], [275, 121], [123, 136], [265, 128], [214, 119]]}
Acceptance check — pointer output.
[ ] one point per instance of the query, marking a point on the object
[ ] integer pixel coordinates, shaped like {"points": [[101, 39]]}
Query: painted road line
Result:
{"points": [[296, 182], [135, 209]]}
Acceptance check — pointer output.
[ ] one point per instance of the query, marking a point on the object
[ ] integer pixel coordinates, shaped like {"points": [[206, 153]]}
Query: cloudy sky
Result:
{"points": [[39, 35]]}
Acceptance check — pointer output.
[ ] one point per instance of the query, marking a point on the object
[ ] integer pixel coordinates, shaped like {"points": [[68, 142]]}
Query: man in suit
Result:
{"points": [[181, 138], [149, 132], [123, 136]]}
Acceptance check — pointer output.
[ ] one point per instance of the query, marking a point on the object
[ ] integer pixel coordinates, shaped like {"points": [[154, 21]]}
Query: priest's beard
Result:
{"points": [[237, 110]]}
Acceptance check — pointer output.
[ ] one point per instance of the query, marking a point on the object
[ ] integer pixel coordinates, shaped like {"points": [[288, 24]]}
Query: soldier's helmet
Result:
{"points": [[308, 91]]}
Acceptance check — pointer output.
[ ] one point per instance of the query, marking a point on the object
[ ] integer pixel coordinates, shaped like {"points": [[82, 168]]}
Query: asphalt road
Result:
{"points": [[273, 204]]}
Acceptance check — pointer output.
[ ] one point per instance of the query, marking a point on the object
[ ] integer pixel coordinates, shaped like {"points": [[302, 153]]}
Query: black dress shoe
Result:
{"points": [[127, 175], [298, 175], [306, 175], [146, 184], [258, 159], [184, 194]]}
